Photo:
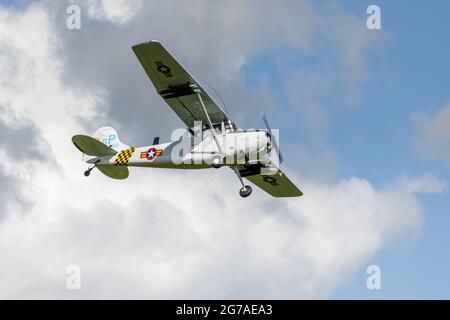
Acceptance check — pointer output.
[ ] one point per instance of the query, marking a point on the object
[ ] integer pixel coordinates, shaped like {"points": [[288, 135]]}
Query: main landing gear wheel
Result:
{"points": [[245, 191]]}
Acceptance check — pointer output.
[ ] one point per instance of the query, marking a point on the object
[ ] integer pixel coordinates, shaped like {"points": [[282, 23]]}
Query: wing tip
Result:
{"points": [[148, 42]]}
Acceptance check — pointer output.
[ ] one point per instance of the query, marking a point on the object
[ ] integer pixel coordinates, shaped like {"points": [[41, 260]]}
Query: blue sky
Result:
{"points": [[408, 73], [370, 136]]}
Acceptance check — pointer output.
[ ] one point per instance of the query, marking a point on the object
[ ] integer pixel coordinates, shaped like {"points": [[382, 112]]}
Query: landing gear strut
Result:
{"points": [[245, 191]]}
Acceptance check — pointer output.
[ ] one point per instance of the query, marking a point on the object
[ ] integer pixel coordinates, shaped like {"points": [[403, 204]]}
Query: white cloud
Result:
{"points": [[167, 234], [432, 136], [114, 11]]}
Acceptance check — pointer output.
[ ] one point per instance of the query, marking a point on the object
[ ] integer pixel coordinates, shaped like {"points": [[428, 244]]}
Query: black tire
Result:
{"points": [[87, 173], [245, 191]]}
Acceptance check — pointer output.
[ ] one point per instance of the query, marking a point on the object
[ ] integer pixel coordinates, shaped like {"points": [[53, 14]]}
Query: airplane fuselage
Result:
{"points": [[187, 153]]}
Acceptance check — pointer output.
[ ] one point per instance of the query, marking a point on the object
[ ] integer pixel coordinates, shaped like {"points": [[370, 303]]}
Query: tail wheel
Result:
{"points": [[245, 191], [88, 171]]}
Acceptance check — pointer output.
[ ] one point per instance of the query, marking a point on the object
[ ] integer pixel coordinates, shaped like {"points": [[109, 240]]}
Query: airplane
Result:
{"points": [[211, 139]]}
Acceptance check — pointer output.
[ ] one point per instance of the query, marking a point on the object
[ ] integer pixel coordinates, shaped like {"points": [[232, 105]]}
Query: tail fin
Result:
{"points": [[109, 136]]}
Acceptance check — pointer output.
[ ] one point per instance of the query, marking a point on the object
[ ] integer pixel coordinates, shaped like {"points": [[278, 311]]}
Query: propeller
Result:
{"points": [[273, 141]]}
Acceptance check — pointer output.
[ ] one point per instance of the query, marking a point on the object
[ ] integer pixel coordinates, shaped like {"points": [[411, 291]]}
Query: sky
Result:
{"points": [[364, 119]]}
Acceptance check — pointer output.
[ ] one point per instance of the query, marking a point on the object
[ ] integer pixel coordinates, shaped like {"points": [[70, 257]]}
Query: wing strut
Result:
{"points": [[197, 91]]}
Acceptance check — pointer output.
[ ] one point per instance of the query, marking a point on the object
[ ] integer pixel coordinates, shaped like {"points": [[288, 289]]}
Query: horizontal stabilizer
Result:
{"points": [[115, 172], [92, 147]]}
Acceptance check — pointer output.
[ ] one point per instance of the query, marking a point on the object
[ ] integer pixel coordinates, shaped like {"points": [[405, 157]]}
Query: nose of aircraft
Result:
{"points": [[265, 140]]}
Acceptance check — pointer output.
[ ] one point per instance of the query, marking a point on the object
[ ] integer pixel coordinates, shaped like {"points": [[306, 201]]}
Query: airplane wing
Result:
{"points": [[176, 86], [276, 183]]}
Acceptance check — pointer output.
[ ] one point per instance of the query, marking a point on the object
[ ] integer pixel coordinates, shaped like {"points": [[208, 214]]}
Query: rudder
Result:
{"points": [[109, 137]]}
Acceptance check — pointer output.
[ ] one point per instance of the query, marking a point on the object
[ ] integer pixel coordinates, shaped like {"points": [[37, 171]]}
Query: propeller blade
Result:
{"points": [[273, 141], [265, 121], [277, 150]]}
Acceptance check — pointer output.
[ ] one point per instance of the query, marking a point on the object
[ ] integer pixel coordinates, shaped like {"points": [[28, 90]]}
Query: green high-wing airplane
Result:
{"points": [[211, 139]]}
